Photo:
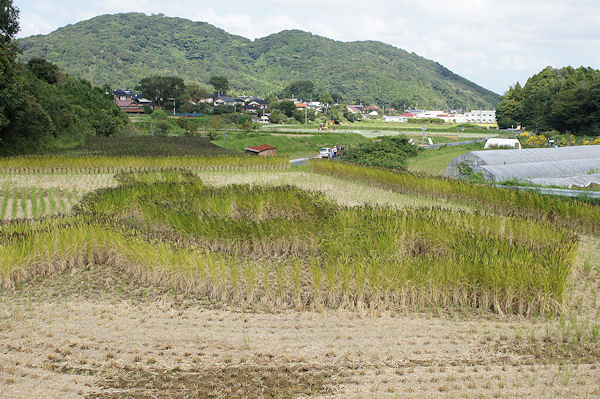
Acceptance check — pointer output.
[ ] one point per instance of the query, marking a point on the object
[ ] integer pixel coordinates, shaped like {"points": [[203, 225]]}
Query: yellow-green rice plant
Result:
{"points": [[208, 242], [4, 204], [565, 211], [113, 164]]}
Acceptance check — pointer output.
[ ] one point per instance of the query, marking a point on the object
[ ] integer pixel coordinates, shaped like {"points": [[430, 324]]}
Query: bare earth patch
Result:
{"points": [[96, 333]]}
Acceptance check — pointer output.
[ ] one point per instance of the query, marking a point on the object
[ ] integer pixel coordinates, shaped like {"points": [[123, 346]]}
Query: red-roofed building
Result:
{"points": [[124, 100], [263, 150], [301, 106]]}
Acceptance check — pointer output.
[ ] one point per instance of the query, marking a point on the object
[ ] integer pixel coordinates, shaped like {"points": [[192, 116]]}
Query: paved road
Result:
{"points": [[299, 161], [452, 144]]}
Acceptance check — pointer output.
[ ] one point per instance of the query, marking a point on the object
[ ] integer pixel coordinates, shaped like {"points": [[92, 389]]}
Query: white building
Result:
{"points": [[428, 114], [393, 118], [481, 116]]}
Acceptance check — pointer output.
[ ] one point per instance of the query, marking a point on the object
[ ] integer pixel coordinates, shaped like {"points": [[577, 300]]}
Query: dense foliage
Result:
{"points": [[120, 49], [41, 108], [161, 89], [387, 152], [566, 100]]}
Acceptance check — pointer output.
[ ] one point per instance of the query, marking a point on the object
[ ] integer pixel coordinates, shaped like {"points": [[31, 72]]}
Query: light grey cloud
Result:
{"points": [[493, 43]]}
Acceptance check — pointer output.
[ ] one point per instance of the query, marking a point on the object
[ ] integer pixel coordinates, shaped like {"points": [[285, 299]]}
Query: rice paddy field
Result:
{"points": [[224, 277]]}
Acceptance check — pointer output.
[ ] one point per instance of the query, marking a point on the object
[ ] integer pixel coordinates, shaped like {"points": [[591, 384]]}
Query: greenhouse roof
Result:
{"points": [[577, 165], [534, 170], [579, 181], [505, 157]]}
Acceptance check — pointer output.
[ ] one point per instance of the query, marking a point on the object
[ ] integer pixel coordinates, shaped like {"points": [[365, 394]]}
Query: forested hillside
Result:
{"points": [[42, 108], [121, 49], [565, 99]]}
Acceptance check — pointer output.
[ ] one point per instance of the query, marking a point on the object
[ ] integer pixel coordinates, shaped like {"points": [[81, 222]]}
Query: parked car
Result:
{"points": [[326, 152]]}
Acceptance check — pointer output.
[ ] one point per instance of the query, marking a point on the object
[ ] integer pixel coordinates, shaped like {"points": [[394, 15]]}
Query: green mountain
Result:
{"points": [[121, 49]]}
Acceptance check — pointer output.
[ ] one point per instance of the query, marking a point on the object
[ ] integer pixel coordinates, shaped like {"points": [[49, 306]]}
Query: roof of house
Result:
{"points": [[260, 100], [127, 103], [301, 105], [227, 99], [120, 92], [261, 148]]}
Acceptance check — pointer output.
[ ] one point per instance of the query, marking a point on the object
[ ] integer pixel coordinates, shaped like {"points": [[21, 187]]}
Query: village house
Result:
{"points": [[129, 102]]}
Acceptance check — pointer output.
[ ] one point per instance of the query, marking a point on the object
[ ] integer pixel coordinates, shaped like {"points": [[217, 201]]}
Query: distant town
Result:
{"points": [[134, 103]]}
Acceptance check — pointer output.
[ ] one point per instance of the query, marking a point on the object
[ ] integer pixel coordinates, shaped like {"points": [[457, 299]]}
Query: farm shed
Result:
{"points": [[264, 150], [564, 166]]}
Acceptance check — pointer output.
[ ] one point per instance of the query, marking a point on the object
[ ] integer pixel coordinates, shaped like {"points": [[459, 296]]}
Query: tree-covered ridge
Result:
{"points": [[566, 100], [121, 49]]}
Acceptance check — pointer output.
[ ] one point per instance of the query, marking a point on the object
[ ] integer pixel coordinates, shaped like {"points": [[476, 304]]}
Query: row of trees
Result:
{"points": [[40, 106], [566, 100], [164, 89]]}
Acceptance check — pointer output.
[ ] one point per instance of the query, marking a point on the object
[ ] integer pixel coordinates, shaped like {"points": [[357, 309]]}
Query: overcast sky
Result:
{"points": [[494, 43]]}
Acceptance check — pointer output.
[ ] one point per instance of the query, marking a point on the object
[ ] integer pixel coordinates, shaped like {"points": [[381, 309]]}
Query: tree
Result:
{"points": [[287, 107], [304, 89], [9, 22], [160, 123], [220, 83], [507, 110], [326, 98], [43, 69], [161, 88], [215, 123], [195, 93], [272, 100], [277, 117], [9, 26], [188, 125]]}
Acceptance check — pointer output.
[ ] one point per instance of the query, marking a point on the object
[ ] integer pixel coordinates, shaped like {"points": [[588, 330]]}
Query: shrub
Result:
{"points": [[388, 152]]}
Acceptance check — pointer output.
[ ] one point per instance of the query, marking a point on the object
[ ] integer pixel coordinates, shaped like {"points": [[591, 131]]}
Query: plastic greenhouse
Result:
{"points": [[564, 166]]}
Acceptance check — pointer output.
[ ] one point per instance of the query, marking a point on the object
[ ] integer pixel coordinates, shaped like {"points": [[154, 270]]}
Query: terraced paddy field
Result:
{"points": [[280, 282]]}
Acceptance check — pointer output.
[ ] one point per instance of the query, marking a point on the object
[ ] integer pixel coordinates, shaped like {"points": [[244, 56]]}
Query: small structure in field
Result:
{"points": [[264, 150], [502, 143]]}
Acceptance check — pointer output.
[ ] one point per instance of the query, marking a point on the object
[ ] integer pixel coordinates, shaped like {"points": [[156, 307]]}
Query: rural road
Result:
{"points": [[299, 161], [452, 144]]}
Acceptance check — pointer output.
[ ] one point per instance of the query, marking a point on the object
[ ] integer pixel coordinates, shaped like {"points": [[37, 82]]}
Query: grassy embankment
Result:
{"points": [[434, 161]]}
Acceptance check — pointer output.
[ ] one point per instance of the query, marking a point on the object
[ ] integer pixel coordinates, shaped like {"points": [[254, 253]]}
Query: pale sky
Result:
{"points": [[493, 43]]}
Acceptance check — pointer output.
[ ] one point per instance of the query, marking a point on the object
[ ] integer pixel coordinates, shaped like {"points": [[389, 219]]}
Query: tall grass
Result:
{"points": [[284, 247], [564, 211]]}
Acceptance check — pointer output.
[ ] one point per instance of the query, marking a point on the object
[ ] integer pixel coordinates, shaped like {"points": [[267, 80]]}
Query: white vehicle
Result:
{"points": [[326, 152]]}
